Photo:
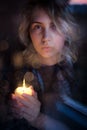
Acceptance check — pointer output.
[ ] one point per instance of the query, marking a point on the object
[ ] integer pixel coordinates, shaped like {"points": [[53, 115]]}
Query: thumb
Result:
{"points": [[34, 93]]}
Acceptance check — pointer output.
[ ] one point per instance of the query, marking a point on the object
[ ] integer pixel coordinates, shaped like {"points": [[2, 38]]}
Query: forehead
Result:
{"points": [[39, 14]]}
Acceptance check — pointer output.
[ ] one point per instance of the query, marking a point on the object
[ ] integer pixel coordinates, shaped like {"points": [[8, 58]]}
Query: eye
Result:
{"points": [[36, 27]]}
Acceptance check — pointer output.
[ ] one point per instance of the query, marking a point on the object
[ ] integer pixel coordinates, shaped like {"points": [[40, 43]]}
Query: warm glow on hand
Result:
{"points": [[24, 89]]}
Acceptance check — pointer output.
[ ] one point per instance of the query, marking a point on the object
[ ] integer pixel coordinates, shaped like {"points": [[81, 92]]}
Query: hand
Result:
{"points": [[29, 106]]}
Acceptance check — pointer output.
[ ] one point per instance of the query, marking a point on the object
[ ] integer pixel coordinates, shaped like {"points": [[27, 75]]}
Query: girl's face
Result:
{"points": [[45, 38]]}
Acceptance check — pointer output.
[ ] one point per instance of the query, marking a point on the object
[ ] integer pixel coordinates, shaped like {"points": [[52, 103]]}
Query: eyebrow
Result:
{"points": [[35, 22]]}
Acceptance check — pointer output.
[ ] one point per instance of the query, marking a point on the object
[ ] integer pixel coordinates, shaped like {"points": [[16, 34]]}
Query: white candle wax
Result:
{"points": [[23, 89]]}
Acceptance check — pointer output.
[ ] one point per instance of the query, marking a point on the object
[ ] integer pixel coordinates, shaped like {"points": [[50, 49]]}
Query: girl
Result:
{"points": [[49, 32]]}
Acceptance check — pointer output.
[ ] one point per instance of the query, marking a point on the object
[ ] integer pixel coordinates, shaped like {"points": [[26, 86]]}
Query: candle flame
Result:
{"points": [[23, 83], [24, 86]]}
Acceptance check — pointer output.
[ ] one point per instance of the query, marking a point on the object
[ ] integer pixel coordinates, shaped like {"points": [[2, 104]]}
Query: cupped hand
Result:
{"points": [[29, 105]]}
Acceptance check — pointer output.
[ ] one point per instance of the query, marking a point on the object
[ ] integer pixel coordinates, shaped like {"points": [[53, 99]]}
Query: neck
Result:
{"points": [[49, 61]]}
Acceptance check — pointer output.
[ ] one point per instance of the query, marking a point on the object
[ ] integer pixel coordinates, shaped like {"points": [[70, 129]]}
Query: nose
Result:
{"points": [[46, 36]]}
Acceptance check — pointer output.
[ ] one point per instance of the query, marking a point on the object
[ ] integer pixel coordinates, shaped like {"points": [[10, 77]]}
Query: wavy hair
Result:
{"points": [[60, 14]]}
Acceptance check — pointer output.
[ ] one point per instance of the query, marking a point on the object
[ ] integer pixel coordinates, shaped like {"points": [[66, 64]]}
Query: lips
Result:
{"points": [[47, 48]]}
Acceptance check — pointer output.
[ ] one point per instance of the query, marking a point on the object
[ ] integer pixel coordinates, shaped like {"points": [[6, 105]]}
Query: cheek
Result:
{"points": [[60, 43], [59, 48], [34, 38]]}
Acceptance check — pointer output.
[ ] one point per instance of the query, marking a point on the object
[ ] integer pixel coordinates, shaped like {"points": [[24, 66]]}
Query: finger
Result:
{"points": [[34, 94], [33, 91], [30, 99], [30, 105], [29, 115], [13, 95], [15, 101], [24, 102]]}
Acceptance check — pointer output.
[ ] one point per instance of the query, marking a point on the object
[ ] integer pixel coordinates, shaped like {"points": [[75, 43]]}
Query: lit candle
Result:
{"points": [[23, 89]]}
